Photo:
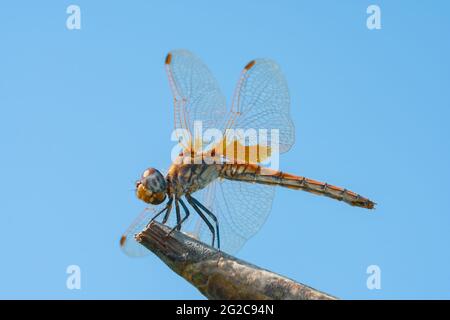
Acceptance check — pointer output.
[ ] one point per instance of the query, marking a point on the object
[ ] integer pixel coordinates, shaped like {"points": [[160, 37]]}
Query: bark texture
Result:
{"points": [[218, 275]]}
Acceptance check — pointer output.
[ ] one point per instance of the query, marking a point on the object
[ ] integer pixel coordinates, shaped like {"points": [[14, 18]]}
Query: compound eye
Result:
{"points": [[148, 172], [154, 181]]}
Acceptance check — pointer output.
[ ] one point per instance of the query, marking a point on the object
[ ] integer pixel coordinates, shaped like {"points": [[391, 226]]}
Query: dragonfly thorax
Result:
{"points": [[152, 186]]}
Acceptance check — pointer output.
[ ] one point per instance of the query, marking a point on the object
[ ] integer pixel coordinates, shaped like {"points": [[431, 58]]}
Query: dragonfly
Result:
{"points": [[227, 200]]}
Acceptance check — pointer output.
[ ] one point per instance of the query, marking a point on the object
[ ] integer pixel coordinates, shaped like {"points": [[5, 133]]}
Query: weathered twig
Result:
{"points": [[218, 275]]}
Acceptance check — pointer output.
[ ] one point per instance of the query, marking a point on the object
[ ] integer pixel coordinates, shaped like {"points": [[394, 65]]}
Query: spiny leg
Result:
{"points": [[197, 209], [212, 215], [177, 210], [167, 207], [186, 211]]}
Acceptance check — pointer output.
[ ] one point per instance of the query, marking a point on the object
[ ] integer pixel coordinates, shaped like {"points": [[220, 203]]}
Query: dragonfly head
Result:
{"points": [[152, 186]]}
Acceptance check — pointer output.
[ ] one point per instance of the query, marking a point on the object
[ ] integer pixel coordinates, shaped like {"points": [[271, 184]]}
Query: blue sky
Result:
{"points": [[84, 112]]}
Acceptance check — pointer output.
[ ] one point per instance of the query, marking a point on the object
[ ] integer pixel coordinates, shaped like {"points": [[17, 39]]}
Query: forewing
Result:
{"points": [[128, 243], [197, 96]]}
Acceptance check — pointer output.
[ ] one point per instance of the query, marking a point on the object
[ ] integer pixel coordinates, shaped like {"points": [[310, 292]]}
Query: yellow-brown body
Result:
{"points": [[186, 177]]}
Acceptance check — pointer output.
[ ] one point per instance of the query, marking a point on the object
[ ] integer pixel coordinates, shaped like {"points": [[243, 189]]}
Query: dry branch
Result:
{"points": [[218, 275]]}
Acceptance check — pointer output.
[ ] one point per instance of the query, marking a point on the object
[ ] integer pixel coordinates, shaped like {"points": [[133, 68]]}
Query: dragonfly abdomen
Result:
{"points": [[257, 174]]}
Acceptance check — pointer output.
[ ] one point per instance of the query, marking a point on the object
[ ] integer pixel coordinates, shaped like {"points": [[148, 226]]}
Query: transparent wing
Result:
{"points": [[127, 242], [241, 208], [197, 96], [261, 101]]}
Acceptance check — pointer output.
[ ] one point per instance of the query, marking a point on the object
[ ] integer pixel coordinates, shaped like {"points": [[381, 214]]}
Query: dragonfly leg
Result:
{"points": [[169, 209], [212, 215], [177, 210], [197, 209], [169, 205], [187, 213]]}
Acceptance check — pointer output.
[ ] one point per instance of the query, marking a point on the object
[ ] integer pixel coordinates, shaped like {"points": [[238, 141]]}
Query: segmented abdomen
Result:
{"points": [[257, 174]]}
